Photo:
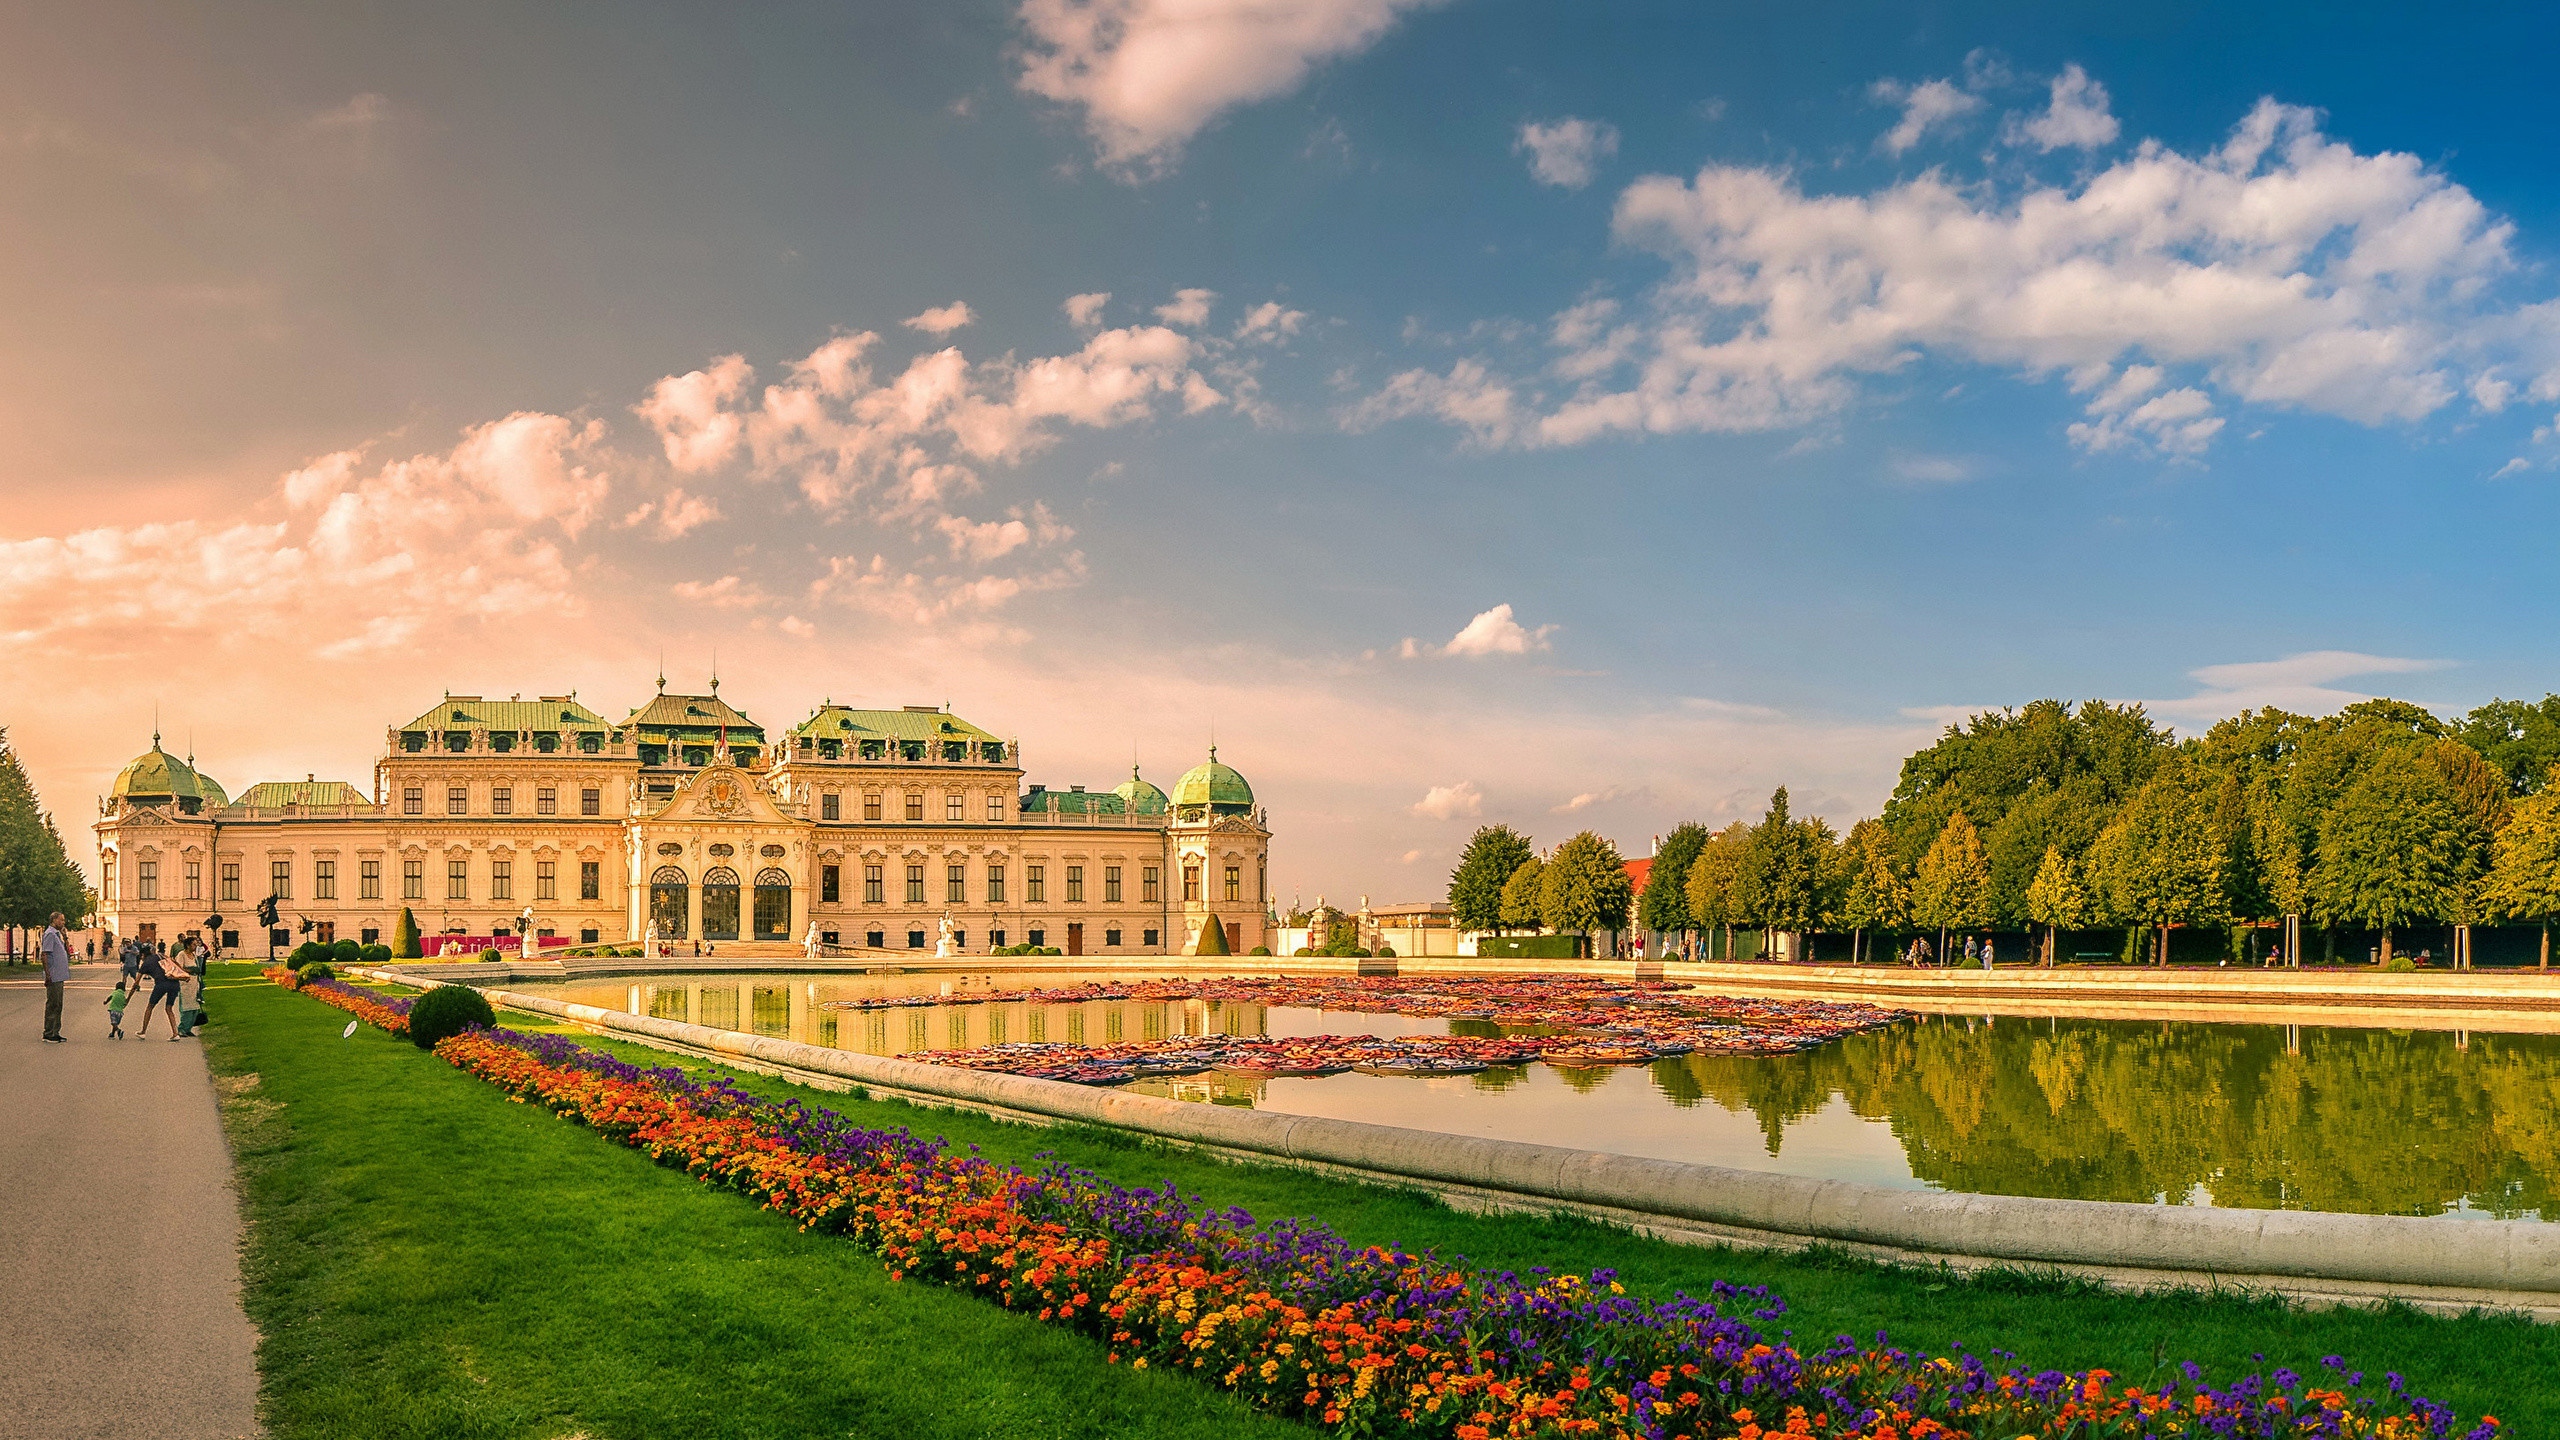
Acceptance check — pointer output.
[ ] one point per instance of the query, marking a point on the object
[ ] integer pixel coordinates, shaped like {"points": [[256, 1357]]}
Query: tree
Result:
{"points": [[2524, 879], [37, 876], [2058, 900], [1777, 885], [1585, 887], [404, 937], [2161, 862], [1475, 887], [1878, 896], [1520, 895], [1709, 888], [2521, 738], [1664, 905], [2394, 849], [1951, 887]]}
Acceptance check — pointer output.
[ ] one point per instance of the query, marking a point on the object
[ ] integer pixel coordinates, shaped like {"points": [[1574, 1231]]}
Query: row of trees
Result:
{"points": [[37, 877], [1502, 883], [2377, 818]]}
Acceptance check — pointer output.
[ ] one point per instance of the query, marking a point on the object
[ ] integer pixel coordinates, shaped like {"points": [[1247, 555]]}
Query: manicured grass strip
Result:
{"points": [[2481, 1364], [426, 1258]]}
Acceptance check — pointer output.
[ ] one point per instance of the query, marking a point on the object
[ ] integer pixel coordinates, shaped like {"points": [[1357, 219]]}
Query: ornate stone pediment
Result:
{"points": [[722, 794]]}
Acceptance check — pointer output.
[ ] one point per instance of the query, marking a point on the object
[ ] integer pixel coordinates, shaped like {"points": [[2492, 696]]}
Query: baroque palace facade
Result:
{"points": [[682, 821]]}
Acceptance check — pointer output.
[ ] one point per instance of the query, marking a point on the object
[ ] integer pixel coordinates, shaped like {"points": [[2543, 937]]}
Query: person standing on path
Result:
{"points": [[1986, 953], [164, 988], [57, 973]]}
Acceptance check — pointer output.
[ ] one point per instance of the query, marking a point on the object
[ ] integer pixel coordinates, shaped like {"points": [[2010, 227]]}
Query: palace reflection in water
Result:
{"points": [[2251, 1116]]}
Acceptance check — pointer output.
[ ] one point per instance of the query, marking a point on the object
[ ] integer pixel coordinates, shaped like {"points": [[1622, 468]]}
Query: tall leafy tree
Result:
{"points": [[2162, 862], [1664, 905], [1877, 896], [2396, 848], [1520, 895], [37, 876], [1475, 887], [2524, 879], [2058, 899], [1951, 886], [2519, 737], [1778, 884], [1709, 888], [1585, 887]]}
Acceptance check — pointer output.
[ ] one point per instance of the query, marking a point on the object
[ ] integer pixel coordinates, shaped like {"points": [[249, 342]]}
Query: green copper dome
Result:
{"points": [[1139, 797], [158, 775], [1211, 789]]}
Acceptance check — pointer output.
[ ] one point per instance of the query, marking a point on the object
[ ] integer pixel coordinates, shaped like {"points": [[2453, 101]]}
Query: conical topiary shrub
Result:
{"points": [[1213, 938], [404, 937]]}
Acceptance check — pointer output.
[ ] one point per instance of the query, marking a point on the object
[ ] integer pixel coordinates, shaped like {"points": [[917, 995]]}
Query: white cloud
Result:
{"points": [[2077, 117], [676, 514], [942, 319], [1566, 153], [1589, 798], [793, 625], [1270, 320], [2280, 269], [1085, 311], [1932, 104], [1732, 709], [1150, 74], [1931, 469], [1495, 633], [726, 593], [1188, 308], [1450, 802], [2305, 684]]}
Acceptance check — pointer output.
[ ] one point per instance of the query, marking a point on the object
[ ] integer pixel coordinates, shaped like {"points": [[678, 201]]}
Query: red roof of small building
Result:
{"points": [[1637, 870]]}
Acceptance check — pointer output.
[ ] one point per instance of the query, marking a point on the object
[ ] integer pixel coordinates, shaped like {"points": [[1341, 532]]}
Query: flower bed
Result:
{"points": [[1364, 1340], [382, 1012]]}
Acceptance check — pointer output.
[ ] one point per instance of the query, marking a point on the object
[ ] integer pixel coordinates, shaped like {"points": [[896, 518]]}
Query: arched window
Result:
{"points": [[670, 903], [773, 904], [719, 903]]}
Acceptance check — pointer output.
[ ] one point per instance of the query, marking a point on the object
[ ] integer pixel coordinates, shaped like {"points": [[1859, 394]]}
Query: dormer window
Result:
{"points": [[697, 755], [589, 744], [955, 751], [456, 742], [911, 750], [546, 742], [874, 749], [831, 749], [413, 741], [502, 742]]}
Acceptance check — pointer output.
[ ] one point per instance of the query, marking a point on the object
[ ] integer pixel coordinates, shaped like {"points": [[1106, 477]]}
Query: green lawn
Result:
{"points": [[591, 1290]]}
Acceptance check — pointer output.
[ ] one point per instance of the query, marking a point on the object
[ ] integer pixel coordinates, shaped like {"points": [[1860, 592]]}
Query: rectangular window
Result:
{"points": [[876, 939], [1262, 880], [870, 805], [1035, 883], [146, 880], [591, 801], [996, 938], [1235, 882], [280, 879], [368, 879], [413, 800], [830, 885], [457, 879], [871, 887], [915, 939], [1148, 886], [955, 884], [195, 880], [1111, 938], [230, 883], [1190, 883], [107, 873], [502, 879], [413, 879], [546, 800], [955, 808], [457, 800], [502, 800], [368, 936], [546, 880], [1075, 884], [915, 807], [1111, 887], [995, 887], [995, 809], [829, 806], [915, 884], [590, 879], [1037, 937], [1150, 940], [324, 879]]}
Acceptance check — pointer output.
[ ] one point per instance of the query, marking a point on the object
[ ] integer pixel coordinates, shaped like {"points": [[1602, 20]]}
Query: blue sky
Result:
{"points": [[1795, 379]]}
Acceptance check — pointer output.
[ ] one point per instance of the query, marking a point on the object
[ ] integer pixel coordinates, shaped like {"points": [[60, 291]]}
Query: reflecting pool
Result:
{"points": [[2178, 1112]]}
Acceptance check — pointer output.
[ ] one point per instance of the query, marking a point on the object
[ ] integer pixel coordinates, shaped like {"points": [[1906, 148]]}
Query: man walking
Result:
{"points": [[57, 973]]}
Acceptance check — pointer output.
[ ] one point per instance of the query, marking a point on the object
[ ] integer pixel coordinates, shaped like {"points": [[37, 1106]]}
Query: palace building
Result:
{"points": [[686, 822]]}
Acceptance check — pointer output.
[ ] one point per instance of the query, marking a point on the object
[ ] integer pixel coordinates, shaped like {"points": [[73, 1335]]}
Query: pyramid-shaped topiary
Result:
{"points": [[1213, 938], [404, 937]]}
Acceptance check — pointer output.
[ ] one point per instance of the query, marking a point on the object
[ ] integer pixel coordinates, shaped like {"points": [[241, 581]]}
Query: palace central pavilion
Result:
{"points": [[684, 822]]}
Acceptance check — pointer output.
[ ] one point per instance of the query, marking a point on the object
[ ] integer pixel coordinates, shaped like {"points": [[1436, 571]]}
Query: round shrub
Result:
{"points": [[376, 954], [447, 1011], [316, 970], [488, 957], [2399, 965], [346, 952], [1259, 950], [303, 954], [1386, 952], [1302, 951]]}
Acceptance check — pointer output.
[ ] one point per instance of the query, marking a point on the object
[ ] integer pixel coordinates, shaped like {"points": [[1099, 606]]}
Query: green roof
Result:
{"points": [[157, 772], [276, 794], [1139, 796], [470, 712], [842, 722], [683, 714], [1072, 802], [1214, 785]]}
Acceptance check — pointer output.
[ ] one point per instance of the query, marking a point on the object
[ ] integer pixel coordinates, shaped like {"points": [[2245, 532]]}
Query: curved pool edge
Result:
{"points": [[2316, 1256]]}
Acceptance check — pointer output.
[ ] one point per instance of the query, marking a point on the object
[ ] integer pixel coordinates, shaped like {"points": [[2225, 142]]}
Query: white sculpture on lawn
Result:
{"points": [[944, 949], [649, 937], [524, 934]]}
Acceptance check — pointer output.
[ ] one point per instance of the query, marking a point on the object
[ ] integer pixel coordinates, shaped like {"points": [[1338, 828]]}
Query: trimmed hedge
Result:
{"points": [[1530, 947], [447, 1011]]}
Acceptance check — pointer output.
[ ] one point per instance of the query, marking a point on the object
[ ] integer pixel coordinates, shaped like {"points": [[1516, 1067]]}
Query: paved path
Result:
{"points": [[119, 1236]]}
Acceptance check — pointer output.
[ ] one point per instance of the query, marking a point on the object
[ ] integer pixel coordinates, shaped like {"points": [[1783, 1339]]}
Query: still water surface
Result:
{"points": [[2252, 1116]]}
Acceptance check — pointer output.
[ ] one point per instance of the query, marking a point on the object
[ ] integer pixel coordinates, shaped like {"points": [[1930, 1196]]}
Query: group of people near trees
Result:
{"points": [[2055, 819]]}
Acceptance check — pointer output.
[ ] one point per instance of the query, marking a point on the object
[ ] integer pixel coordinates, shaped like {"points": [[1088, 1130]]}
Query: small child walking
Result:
{"points": [[115, 1011]]}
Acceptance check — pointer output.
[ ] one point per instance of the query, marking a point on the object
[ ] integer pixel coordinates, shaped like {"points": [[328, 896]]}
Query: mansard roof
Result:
{"points": [[276, 794], [1078, 801], [470, 712], [916, 722], [686, 713]]}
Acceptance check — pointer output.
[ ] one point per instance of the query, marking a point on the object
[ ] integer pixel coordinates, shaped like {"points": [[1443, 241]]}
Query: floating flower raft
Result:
{"points": [[1566, 1020], [1367, 1340]]}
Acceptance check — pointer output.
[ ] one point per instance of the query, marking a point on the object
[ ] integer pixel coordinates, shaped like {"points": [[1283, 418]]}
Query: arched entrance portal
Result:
{"points": [[720, 903], [668, 904], [773, 904]]}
